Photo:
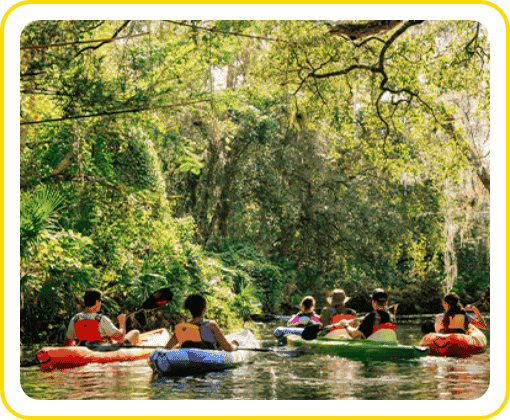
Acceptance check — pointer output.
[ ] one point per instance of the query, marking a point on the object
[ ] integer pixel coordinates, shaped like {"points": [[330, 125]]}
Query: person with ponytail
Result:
{"points": [[307, 314], [455, 319]]}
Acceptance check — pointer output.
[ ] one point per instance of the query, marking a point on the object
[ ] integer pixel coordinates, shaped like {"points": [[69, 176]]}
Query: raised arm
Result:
{"points": [[479, 321], [120, 334]]}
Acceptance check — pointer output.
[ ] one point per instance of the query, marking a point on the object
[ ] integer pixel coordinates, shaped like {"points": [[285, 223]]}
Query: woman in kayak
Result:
{"points": [[92, 329], [199, 333], [455, 319], [378, 319], [336, 312], [306, 315]]}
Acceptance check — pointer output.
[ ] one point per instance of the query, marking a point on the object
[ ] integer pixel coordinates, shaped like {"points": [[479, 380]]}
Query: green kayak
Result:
{"points": [[358, 349]]}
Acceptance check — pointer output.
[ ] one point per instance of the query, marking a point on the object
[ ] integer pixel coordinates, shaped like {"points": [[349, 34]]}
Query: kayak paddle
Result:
{"points": [[156, 300], [107, 348], [311, 331]]}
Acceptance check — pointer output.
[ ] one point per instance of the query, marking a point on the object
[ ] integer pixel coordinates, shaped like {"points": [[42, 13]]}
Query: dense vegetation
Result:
{"points": [[253, 161]]}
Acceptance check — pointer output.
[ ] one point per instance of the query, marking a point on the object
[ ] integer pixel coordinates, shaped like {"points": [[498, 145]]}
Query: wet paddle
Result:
{"points": [[107, 348], [311, 331], [156, 300]]}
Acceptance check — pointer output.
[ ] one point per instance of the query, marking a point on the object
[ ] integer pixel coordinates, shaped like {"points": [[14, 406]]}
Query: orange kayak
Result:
{"points": [[455, 345], [73, 356]]}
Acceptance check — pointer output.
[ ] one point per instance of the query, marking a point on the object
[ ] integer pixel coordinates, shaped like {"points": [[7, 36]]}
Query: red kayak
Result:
{"points": [[455, 345], [73, 356]]}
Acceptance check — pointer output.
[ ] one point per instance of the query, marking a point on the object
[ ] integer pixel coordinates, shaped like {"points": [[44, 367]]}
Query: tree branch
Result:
{"points": [[356, 31], [127, 111]]}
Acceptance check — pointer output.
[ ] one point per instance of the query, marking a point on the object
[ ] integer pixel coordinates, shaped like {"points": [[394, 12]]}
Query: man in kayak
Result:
{"points": [[306, 315], [378, 319], [199, 333], [92, 329], [336, 312]]}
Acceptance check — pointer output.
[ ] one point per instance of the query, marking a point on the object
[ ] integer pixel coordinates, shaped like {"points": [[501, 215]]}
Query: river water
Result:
{"points": [[282, 374]]}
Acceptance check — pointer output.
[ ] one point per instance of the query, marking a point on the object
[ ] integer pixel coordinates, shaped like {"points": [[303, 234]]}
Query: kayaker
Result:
{"points": [[306, 315], [199, 333], [378, 319], [92, 329], [336, 312], [455, 319]]}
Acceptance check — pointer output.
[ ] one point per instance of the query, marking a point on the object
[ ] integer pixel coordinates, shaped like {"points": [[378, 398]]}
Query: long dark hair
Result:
{"points": [[455, 308]]}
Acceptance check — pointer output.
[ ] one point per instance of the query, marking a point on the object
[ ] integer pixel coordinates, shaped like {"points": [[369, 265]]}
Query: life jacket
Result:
{"points": [[458, 325], [193, 335], [88, 329], [335, 318], [378, 326], [187, 332], [304, 319]]}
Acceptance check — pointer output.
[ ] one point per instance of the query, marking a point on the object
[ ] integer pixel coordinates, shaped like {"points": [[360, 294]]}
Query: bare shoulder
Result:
{"points": [[213, 325]]}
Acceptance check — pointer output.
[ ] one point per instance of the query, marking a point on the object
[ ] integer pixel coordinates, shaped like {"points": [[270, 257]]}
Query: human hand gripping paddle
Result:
{"points": [[312, 330], [154, 301]]}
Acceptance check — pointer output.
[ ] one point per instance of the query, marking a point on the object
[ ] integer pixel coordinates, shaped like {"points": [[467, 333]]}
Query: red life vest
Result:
{"points": [[335, 318], [378, 326], [88, 329], [387, 325]]}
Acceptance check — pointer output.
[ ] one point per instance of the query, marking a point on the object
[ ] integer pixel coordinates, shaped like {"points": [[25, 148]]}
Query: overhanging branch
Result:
{"points": [[126, 111]]}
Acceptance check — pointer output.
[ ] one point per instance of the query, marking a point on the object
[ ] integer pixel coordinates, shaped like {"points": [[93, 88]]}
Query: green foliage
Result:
{"points": [[37, 214], [250, 169]]}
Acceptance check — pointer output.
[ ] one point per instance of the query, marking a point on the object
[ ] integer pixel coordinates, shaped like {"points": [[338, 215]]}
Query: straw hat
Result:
{"points": [[338, 298]]}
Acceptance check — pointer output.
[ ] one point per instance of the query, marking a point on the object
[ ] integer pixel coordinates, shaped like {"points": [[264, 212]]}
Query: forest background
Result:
{"points": [[253, 161]]}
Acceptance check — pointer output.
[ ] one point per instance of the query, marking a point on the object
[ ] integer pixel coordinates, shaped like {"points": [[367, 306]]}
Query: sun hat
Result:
{"points": [[338, 298], [379, 295]]}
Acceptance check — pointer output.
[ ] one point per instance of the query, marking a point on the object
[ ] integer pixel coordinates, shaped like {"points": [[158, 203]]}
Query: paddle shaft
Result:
{"points": [[161, 347]]}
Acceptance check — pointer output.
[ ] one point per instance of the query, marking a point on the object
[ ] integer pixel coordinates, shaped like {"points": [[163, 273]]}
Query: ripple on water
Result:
{"points": [[284, 373]]}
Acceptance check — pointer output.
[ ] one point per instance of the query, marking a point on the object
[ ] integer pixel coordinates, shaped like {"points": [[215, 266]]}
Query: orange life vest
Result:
{"points": [[187, 332], [458, 323], [88, 329]]}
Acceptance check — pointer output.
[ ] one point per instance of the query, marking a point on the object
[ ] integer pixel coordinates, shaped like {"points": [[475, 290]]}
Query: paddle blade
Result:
{"points": [[157, 299], [428, 327], [310, 332]]}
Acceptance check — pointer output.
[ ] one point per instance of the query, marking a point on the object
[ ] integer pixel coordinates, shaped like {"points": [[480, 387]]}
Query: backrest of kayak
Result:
{"points": [[383, 334]]}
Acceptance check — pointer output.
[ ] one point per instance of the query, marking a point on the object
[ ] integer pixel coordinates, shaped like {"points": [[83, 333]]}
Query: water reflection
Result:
{"points": [[459, 379], [283, 374]]}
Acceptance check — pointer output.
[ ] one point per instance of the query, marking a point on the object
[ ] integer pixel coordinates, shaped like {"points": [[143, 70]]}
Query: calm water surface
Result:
{"points": [[284, 374]]}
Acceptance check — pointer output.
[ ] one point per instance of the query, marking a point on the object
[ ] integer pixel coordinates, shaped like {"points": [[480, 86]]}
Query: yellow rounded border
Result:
{"points": [[2, 212]]}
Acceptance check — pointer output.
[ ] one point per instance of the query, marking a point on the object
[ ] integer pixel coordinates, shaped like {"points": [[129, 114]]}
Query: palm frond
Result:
{"points": [[37, 214]]}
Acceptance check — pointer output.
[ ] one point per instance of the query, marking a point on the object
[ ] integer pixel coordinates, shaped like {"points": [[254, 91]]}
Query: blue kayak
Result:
{"points": [[281, 332], [190, 361]]}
